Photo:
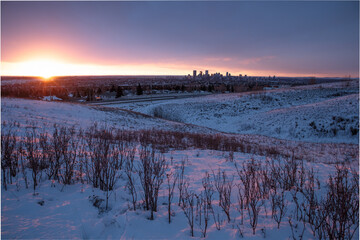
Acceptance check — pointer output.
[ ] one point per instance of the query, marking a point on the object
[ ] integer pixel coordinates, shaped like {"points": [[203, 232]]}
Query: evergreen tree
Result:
{"points": [[228, 88], [183, 88], [112, 89], [139, 90], [119, 92]]}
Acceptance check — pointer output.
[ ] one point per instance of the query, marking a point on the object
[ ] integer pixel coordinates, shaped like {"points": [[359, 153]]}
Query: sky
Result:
{"points": [[297, 38]]}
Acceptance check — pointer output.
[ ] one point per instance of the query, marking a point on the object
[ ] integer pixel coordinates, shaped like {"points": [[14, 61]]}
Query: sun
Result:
{"points": [[44, 68], [46, 76]]}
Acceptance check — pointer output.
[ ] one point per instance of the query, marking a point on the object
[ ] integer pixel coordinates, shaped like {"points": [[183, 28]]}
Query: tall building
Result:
{"points": [[206, 72], [227, 74], [194, 74]]}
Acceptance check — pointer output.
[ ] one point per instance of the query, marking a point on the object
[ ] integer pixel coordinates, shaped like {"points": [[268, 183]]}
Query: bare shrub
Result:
{"points": [[105, 163], [296, 226], [241, 203], [33, 155], [171, 182], [110, 166], [82, 156], [204, 204], [224, 186], [310, 205], [279, 207], [188, 206], [151, 172], [69, 151], [47, 154], [341, 205], [22, 156], [250, 177], [181, 180], [9, 161], [131, 177], [290, 173]]}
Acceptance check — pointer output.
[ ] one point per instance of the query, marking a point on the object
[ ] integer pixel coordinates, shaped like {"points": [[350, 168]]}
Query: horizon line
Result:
{"points": [[166, 75]]}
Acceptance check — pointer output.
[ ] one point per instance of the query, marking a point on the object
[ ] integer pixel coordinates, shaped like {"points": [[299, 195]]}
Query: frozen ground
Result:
{"points": [[319, 113], [43, 113], [67, 213]]}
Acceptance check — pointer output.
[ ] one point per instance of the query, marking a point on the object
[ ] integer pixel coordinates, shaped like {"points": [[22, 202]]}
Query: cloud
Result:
{"points": [[218, 59], [255, 60]]}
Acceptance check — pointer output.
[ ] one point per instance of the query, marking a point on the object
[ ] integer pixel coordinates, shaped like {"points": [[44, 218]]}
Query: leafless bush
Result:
{"points": [[231, 156], [279, 207], [223, 186], [105, 158], [151, 172], [171, 182], [82, 156], [310, 204], [341, 205], [204, 204], [250, 177], [181, 179], [58, 137], [33, 155], [241, 203], [208, 189], [188, 206], [129, 171], [98, 149], [110, 166], [296, 226], [21, 155], [47, 154], [290, 173], [69, 152], [9, 161]]}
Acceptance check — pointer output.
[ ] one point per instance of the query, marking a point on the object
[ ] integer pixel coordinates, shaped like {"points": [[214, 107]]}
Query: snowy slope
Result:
{"points": [[67, 213], [60, 211], [285, 113], [43, 113]]}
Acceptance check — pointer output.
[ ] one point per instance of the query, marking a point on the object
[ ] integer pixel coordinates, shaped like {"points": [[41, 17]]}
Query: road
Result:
{"points": [[147, 99]]}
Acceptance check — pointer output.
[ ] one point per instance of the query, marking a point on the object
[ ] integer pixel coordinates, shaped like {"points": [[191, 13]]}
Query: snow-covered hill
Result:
{"points": [[46, 114], [319, 113]]}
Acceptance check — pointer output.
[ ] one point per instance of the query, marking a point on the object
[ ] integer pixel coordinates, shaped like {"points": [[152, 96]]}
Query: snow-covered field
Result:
{"points": [[44, 113], [315, 124], [318, 113], [66, 212]]}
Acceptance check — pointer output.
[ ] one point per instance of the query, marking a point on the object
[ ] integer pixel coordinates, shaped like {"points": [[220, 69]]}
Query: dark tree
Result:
{"points": [[183, 88], [139, 90], [112, 89], [119, 92]]}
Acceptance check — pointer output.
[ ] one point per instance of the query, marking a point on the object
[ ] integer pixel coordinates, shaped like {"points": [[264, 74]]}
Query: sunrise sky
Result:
{"points": [[173, 38]]}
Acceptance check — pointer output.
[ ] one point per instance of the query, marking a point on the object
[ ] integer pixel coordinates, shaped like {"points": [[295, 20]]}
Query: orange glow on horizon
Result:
{"points": [[47, 68]]}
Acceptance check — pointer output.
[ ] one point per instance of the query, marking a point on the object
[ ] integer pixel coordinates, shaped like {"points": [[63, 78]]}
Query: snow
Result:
{"points": [[281, 113], [278, 118], [67, 213], [46, 114], [51, 98]]}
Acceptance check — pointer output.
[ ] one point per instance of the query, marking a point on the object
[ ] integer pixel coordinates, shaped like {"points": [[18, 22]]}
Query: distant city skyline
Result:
{"points": [[258, 38]]}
